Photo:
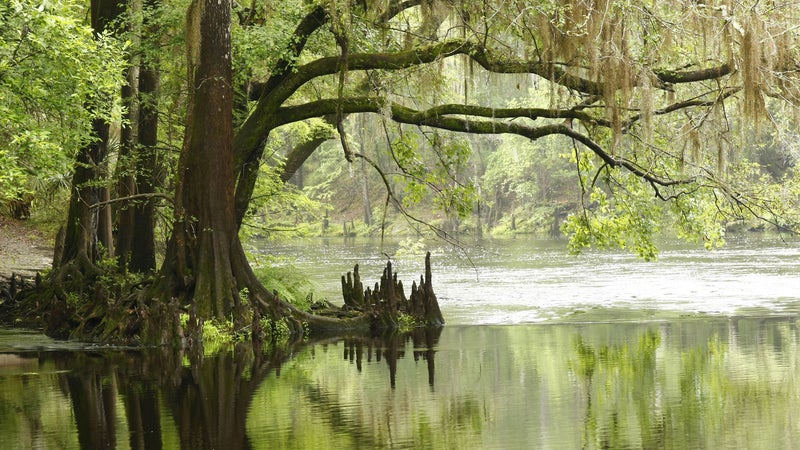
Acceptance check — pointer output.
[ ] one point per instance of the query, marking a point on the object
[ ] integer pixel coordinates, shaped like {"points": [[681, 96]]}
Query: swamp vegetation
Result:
{"points": [[176, 130]]}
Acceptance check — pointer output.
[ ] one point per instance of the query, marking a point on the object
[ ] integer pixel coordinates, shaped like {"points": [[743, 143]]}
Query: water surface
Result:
{"points": [[541, 350], [526, 280]]}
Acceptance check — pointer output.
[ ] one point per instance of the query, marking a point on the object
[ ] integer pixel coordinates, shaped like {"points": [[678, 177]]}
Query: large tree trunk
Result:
{"points": [[206, 250], [143, 251]]}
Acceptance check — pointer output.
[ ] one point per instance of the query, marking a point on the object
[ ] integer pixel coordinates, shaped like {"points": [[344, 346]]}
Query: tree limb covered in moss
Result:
{"points": [[488, 124], [691, 76], [396, 7], [290, 114], [486, 58], [270, 113]]}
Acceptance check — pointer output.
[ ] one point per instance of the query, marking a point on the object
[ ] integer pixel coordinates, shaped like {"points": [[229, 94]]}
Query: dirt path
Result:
{"points": [[23, 250]]}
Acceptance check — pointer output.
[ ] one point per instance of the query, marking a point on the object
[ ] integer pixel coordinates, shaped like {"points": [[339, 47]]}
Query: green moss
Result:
{"points": [[277, 330], [406, 322], [217, 334]]}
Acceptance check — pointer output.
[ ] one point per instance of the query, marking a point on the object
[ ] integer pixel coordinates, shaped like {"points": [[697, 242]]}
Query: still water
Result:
{"points": [[541, 350]]}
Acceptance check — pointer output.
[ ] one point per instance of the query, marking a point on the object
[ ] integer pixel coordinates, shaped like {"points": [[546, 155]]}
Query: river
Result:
{"points": [[526, 280], [541, 350]]}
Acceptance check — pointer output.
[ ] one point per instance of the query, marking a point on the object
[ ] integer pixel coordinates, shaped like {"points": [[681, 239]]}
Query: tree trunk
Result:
{"points": [[136, 227], [81, 235], [125, 170], [206, 252], [143, 251], [205, 264]]}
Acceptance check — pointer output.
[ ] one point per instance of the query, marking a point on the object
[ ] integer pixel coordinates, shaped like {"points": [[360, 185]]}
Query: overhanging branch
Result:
{"points": [[691, 103], [691, 76], [488, 124], [486, 58], [319, 108]]}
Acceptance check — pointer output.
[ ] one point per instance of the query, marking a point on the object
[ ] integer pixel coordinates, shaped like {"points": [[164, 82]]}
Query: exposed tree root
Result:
{"points": [[76, 301]]}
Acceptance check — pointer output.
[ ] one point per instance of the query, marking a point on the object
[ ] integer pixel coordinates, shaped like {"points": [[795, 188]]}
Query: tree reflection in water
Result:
{"points": [[727, 383], [209, 398], [619, 383], [391, 347]]}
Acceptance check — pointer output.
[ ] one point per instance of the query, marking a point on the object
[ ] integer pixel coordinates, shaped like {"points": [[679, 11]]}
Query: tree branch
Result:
{"points": [[324, 107], [396, 7], [167, 197], [310, 23], [691, 76], [488, 59], [301, 152], [696, 102], [430, 53], [490, 125]]}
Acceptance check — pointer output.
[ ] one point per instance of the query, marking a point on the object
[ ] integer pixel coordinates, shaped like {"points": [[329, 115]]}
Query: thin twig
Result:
{"points": [[167, 197]]}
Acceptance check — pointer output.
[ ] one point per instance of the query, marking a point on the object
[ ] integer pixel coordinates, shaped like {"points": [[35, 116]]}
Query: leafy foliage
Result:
{"points": [[287, 281], [655, 102], [55, 76]]}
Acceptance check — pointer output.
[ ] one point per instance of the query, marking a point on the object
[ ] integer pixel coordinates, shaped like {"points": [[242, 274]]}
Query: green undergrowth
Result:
{"points": [[219, 334], [279, 276], [407, 323], [98, 306]]}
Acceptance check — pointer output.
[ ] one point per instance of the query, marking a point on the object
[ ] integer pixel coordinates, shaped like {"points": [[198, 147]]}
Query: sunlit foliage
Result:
{"points": [[55, 76]]}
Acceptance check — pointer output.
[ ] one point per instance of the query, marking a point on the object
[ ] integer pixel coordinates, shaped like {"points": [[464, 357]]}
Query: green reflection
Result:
{"points": [[619, 384], [687, 384], [676, 385]]}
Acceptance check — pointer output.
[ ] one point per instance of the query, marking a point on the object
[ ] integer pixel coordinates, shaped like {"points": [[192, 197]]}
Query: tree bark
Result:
{"points": [[126, 166], [205, 232], [143, 251], [81, 235], [139, 158]]}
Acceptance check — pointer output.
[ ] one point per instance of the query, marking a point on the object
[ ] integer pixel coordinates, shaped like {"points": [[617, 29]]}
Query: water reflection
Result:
{"points": [[391, 347], [721, 383]]}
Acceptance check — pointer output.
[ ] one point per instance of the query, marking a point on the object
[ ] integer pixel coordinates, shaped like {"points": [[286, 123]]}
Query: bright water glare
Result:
{"points": [[528, 281]]}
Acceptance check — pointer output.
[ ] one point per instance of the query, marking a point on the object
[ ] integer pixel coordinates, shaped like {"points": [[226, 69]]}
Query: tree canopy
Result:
{"points": [[652, 101]]}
